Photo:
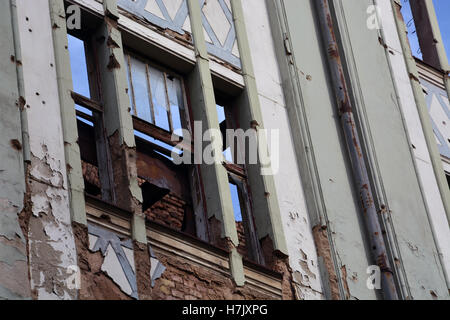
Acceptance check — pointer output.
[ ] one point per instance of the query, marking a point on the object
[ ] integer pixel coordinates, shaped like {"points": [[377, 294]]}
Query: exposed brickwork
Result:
{"points": [[90, 173], [280, 263], [242, 248], [142, 263], [169, 212], [324, 251], [184, 280]]}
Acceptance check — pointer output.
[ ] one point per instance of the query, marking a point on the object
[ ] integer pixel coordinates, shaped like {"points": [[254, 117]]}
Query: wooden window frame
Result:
{"points": [[95, 105]]}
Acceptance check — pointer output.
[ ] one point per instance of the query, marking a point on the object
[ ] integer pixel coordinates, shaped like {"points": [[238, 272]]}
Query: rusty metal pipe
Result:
{"points": [[355, 151]]}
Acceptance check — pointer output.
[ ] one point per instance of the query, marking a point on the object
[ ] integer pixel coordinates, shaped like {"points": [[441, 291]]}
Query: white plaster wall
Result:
{"points": [[51, 241], [297, 227], [438, 216]]}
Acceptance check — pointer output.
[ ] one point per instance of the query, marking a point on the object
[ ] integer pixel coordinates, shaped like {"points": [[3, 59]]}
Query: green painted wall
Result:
{"points": [[385, 138], [14, 282]]}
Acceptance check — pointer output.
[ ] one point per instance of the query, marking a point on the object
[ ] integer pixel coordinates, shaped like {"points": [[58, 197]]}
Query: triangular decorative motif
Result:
{"points": [[217, 19], [438, 107], [220, 30], [117, 252], [168, 14], [153, 8]]}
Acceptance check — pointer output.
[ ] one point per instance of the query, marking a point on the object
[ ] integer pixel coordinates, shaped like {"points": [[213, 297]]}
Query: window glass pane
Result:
{"points": [[79, 66], [89, 123], [176, 102], [141, 92], [157, 142], [221, 116], [83, 110], [159, 98], [220, 113], [236, 203]]}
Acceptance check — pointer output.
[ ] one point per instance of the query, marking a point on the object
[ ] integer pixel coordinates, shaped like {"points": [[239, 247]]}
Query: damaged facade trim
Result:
{"points": [[217, 193], [265, 200], [106, 239], [68, 117]]}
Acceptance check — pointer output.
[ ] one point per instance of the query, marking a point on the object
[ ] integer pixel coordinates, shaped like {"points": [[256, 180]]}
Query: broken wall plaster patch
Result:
{"points": [[9, 225], [157, 268], [116, 263]]}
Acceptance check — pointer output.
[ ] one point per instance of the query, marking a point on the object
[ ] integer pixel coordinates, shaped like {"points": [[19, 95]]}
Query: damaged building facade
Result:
{"points": [[99, 98]]}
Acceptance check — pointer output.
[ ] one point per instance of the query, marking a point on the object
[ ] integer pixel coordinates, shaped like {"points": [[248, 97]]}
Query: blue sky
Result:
{"points": [[443, 14]]}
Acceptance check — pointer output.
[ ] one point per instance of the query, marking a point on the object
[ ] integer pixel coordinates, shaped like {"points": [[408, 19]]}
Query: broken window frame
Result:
{"points": [[95, 105], [150, 126], [198, 228], [237, 175]]}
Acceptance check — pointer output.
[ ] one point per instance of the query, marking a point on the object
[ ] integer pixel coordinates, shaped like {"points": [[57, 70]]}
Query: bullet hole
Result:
{"points": [[374, 248], [27, 19], [37, 93], [43, 102], [13, 59], [30, 30], [16, 144], [21, 103], [51, 65], [308, 77]]}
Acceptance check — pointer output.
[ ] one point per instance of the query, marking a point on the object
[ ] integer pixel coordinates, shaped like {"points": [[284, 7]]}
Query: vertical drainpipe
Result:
{"points": [[422, 109], [355, 152]]}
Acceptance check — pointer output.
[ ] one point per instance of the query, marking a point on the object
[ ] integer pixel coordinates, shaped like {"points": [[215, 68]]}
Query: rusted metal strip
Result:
{"points": [[358, 162]]}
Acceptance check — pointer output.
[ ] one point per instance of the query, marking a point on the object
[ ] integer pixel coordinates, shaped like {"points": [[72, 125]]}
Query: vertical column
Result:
{"points": [[422, 108], [118, 120], [68, 118], [215, 179], [47, 218], [118, 124], [265, 201], [14, 281]]}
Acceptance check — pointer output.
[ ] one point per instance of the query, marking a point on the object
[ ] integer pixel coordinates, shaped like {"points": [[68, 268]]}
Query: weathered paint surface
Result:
{"points": [[340, 203], [297, 228], [415, 131], [50, 237], [14, 281], [393, 157]]}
